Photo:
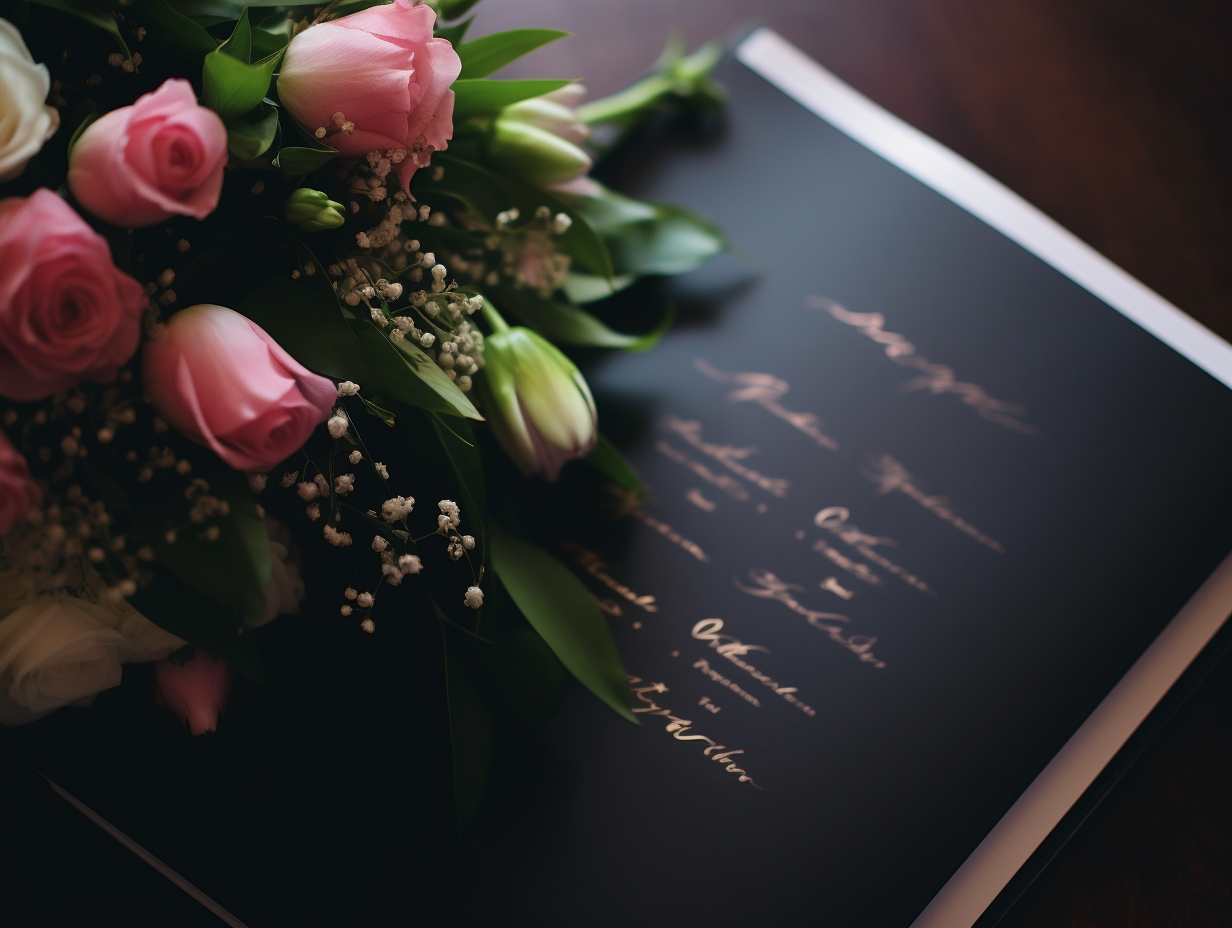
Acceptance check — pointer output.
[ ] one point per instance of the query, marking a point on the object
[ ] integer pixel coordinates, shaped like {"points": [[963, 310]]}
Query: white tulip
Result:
{"points": [[26, 122]]}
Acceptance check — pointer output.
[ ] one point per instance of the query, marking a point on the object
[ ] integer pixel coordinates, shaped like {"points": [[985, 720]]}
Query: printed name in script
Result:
{"points": [[677, 728], [766, 390], [936, 378], [767, 586], [734, 650], [890, 475], [594, 565], [834, 519], [628, 504], [727, 455]]}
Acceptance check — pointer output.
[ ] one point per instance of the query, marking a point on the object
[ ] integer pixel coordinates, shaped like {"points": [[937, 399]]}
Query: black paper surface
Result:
{"points": [[1064, 496]]}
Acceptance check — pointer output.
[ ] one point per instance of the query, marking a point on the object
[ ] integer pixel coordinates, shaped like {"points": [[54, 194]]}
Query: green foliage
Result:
{"points": [[451, 9], [233, 85], [560, 609], [305, 319], [409, 375], [492, 52], [607, 460], [486, 194], [298, 160], [686, 77], [480, 97], [175, 36], [527, 674], [454, 34], [249, 138], [94, 12], [567, 323], [470, 734]]}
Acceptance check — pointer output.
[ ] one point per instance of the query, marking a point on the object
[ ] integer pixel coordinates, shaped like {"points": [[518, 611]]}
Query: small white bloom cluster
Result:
{"points": [[346, 388], [397, 508], [473, 597], [336, 538], [523, 255]]}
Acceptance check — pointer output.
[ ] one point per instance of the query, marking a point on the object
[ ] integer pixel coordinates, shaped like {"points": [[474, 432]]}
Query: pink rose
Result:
{"points": [[381, 70], [161, 157], [195, 691], [66, 313], [18, 492], [221, 381]]}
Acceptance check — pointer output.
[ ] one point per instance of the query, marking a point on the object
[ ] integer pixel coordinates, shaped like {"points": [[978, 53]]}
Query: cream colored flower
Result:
{"points": [[62, 651], [26, 122]]}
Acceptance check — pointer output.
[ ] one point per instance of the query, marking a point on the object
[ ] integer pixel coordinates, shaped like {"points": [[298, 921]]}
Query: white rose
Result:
{"points": [[286, 590], [25, 121], [61, 651]]}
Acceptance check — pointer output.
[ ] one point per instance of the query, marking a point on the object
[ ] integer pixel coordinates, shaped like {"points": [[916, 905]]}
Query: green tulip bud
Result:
{"points": [[534, 154], [313, 211], [538, 403]]}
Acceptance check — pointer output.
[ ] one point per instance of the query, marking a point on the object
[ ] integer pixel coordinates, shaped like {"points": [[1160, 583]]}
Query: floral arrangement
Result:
{"points": [[275, 280]]}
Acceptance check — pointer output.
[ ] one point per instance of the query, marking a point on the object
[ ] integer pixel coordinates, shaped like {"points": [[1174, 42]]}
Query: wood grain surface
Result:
{"points": [[1115, 118]]}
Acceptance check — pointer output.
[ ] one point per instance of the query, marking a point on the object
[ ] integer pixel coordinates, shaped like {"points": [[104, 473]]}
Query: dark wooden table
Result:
{"points": [[1115, 118]]}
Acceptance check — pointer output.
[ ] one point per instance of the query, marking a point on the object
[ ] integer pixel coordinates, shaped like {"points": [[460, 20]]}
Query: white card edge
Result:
{"points": [[926, 159], [1054, 791]]}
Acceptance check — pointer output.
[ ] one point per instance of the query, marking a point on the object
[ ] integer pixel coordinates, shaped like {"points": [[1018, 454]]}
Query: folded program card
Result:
{"points": [[926, 501]]}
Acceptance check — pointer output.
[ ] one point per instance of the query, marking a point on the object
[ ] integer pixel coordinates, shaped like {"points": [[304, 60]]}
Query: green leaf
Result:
{"points": [[607, 460], [233, 87], [674, 242], [528, 675], [451, 9], [209, 12], [570, 325], [248, 140], [560, 609], [409, 375], [484, 97], [96, 14], [492, 52], [172, 35], [296, 160], [176, 607], [454, 34], [470, 734], [590, 288], [239, 45], [85, 114], [305, 319]]}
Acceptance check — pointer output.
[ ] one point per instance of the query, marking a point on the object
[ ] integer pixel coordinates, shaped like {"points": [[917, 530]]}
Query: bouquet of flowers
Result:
{"points": [[288, 282]]}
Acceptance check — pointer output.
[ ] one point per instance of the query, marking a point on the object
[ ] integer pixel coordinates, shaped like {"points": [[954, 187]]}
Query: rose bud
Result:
{"points": [[66, 313], [313, 211], [27, 122], [374, 81], [538, 403], [162, 156], [196, 691], [222, 382], [18, 491]]}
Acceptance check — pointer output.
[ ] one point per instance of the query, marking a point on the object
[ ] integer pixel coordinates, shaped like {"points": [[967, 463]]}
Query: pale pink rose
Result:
{"points": [[18, 492], [195, 691], [161, 157], [66, 313], [383, 71], [221, 381]]}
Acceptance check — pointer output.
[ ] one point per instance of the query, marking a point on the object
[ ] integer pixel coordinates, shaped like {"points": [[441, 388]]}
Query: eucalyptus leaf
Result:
{"points": [[296, 160], [481, 97], [492, 52], [607, 460], [249, 140], [560, 609], [409, 375]]}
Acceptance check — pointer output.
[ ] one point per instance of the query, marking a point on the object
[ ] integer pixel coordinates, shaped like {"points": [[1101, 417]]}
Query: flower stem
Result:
{"points": [[495, 319]]}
